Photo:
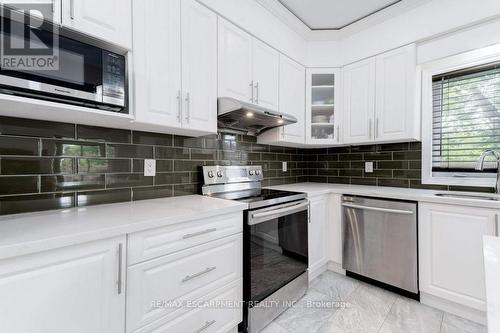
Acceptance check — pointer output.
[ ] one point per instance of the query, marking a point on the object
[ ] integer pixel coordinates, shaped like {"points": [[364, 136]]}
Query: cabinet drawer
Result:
{"points": [[219, 311], [182, 277], [154, 243]]}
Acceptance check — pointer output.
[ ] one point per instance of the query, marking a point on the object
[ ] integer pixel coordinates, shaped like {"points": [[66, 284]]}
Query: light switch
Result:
{"points": [[368, 167], [284, 167], [149, 168]]}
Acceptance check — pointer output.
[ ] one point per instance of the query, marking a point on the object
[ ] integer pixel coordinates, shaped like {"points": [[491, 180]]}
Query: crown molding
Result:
{"points": [[288, 18]]}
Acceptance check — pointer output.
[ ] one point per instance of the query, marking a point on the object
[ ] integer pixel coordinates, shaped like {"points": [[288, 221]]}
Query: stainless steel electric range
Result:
{"points": [[275, 257]]}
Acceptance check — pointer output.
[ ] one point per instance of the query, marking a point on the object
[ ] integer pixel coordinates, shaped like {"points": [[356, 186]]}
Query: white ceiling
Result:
{"points": [[334, 14]]}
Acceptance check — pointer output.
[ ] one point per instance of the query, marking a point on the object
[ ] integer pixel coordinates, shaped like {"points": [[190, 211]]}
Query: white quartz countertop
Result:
{"points": [[313, 189], [492, 274], [28, 233]]}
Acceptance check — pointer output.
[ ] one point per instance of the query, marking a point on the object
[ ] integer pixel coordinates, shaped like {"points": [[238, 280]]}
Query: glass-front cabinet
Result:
{"points": [[322, 105]]}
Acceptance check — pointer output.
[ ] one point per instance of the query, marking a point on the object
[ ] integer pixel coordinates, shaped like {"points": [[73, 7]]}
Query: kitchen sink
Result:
{"points": [[468, 196]]}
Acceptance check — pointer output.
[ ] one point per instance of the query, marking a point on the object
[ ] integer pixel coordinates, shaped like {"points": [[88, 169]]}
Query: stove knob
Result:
{"points": [[219, 173], [257, 172], [250, 172], [210, 174]]}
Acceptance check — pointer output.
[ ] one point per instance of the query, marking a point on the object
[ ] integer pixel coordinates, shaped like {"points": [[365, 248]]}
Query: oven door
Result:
{"points": [[275, 248]]}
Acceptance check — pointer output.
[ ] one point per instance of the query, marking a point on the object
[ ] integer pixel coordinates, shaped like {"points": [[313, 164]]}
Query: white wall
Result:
{"points": [[433, 18], [255, 19]]}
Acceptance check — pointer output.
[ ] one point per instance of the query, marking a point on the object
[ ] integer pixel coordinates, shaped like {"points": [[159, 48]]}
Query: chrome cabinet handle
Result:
{"points": [[207, 270], [257, 93], [120, 259], [338, 133], [376, 128], [72, 9], [369, 128], [496, 226], [377, 209], [188, 102], [179, 106], [53, 4], [251, 91], [194, 234], [205, 326]]}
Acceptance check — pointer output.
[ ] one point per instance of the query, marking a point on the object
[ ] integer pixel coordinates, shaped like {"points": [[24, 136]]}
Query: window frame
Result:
{"points": [[439, 67]]}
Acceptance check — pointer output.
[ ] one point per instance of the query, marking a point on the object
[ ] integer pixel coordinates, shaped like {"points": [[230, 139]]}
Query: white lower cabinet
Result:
{"points": [[317, 235], [78, 289], [183, 276], [334, 232], [451, 252]]}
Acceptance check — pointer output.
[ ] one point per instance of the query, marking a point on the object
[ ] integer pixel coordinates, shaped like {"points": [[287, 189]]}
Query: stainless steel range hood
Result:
{"points": [[249, 118]]}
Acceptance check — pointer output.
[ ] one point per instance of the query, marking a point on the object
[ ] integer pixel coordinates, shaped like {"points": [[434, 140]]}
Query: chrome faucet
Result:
{"points": [[480, 165]]}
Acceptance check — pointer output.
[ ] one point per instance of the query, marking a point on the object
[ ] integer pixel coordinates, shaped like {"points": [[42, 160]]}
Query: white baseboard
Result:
{"points": [[335, 267], [454, 308], [317, 270]]}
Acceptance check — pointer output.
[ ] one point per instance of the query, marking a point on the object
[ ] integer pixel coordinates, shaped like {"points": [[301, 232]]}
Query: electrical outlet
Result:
{"points": [[368, 167], [284, 167], [149, 168]]}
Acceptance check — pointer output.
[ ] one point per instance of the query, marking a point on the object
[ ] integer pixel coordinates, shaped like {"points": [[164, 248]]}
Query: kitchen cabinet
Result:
{"points": [[292, 102], [322, 106], [451, 252], [248, 68], [359, 101], [175, 91], [48, 8], [76, 289], [379, 99], [334, 232], [396, 117], [109, 20], [317, 235]]}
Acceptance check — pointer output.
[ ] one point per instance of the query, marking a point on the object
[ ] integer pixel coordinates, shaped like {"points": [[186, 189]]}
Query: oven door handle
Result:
{"points": [[256, 218]]}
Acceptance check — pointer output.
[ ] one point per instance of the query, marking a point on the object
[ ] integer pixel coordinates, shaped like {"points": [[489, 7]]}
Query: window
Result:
{"points": [[461, 117], [466, 118]]}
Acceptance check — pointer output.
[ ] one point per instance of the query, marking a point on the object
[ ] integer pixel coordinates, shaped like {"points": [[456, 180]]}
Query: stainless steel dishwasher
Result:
{"points": [[380, 241]]}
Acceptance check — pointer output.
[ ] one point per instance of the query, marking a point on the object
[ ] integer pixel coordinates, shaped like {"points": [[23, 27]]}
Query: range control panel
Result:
{"points": [[219, 174]]}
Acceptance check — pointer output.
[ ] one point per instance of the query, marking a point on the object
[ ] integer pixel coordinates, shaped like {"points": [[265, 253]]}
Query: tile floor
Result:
{"points": [[336, 303]]}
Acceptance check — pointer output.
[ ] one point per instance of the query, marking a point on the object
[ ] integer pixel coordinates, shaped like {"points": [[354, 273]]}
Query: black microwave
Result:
{"points": [[38, 61]]}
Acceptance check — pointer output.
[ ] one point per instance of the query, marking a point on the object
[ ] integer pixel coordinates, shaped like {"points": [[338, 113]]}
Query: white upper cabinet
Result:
{"points": [[157, 62], [359, 101], [50, 9], [199, 66], [323, 106], [248, 68], [395, 116], [175, 67], [78, 289], [291, 101], [109, 20], [451, 252], [379, 98], [235, 62], [266, 65]]}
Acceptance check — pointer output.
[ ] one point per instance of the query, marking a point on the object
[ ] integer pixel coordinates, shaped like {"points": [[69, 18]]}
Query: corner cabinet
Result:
{"points": [[379, 96], [322, 106], [175, 62], [76, 289], [291, 101], [109, 20], [451, 252], [248, 68]]}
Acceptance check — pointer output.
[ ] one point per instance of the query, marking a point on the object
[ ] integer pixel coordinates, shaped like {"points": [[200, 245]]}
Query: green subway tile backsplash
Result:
{"points": [[48, 165]]}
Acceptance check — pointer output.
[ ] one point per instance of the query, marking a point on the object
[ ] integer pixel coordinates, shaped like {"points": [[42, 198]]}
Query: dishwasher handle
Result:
{"points": [[378, 209]]}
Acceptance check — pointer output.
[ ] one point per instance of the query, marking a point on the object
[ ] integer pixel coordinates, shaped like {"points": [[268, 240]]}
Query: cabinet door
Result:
{"points": [[234, 62], [199, 66], [292, 98], [110, 20], [334, 229], [72, 289], [395, 116], [49, 9], [451, 252], [157, 62], [359, 101], [317, 235], [266, 64]]}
